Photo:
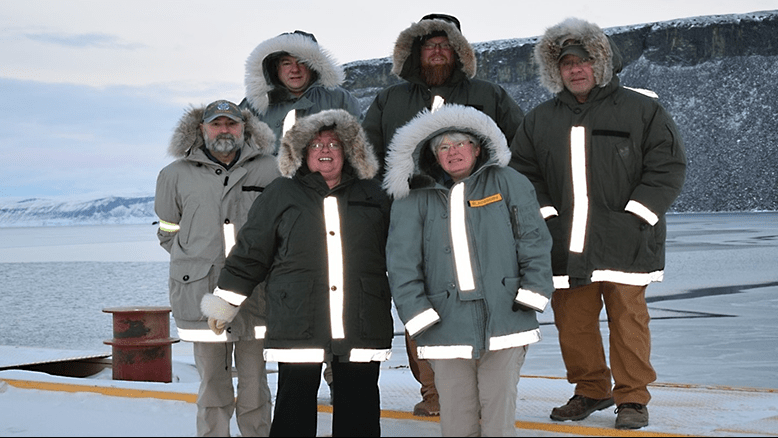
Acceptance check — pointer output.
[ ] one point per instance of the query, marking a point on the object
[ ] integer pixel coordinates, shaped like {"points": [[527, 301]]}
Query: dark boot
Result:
{"points": [[631, 416], [580, 407]]}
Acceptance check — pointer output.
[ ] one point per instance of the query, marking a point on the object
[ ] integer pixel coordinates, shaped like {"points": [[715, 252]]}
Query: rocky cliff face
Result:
{"points": [[717, 76]]}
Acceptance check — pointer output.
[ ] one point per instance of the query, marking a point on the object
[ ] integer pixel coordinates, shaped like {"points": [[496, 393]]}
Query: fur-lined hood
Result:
{"points": [[607, 60], [188, 136], [260, 82], [357, 150], [406, 57], [411, 164]]}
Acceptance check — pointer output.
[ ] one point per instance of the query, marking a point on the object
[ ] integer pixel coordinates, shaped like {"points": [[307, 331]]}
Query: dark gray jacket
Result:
{"points": [[394, 106], [288, 243], [605, 196]]}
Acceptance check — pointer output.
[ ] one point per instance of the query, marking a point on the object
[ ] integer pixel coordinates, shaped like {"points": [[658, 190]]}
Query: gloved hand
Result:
{"points": [[218, 311], [216, 325]]}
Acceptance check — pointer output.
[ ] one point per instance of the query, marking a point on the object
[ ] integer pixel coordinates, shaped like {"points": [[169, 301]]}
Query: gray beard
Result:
{"points": [[223, 143]]}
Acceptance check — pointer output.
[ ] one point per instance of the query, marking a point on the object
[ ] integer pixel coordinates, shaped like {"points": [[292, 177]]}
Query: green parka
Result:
{"points": [[486, 227]]}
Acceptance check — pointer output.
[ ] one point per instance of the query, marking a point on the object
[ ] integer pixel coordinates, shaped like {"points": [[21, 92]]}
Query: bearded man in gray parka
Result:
{"points": [[468, 257], [607, 162], [292, 76], [437, 65], [223, 163]]}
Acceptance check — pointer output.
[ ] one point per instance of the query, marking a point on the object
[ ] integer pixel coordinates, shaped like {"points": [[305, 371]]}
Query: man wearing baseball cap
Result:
{"points": [[223, 162]]}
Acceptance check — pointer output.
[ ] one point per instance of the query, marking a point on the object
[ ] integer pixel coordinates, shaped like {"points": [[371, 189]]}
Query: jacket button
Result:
{"points": [[218, 171], [186, 278], [226, 221]]}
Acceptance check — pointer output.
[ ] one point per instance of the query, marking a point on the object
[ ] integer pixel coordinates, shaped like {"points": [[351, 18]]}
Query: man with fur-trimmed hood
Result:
{"points": [[607, 163], [437, 65], [223, 162], [317, 237], [291, 76], [469, 263]]}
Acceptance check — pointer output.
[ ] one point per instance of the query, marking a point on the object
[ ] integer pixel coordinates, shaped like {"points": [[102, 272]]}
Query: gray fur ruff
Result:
{"points": [[357, 150], [188, 136], [404, 45], [309, 52], [592, 38], [402, 160]]}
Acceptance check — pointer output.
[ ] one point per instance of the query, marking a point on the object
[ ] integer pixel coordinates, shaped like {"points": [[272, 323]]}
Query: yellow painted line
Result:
{"points": [[564, 427], [528, 425], [588, 430], [109, 391]]}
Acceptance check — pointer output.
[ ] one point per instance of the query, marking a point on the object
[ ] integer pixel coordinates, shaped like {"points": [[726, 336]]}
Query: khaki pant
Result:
{"points": [[576, 315], [216, 399], [478, 396], [421, 369]]}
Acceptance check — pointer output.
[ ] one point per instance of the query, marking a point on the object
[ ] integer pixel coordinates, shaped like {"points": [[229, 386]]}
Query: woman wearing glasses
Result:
{"points": [[469, 263], [317, 238]]}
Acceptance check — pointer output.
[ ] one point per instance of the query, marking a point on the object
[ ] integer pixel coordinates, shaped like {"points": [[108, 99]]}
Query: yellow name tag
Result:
{"points": [[485, 201]]}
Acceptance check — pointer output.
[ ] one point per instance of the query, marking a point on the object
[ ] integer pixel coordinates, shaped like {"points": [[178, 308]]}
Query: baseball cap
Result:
{"points": [[222, 108], [573, 47]]}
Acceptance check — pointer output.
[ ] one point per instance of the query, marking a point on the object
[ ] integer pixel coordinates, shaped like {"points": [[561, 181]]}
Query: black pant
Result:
{"points": [[356, 409]]}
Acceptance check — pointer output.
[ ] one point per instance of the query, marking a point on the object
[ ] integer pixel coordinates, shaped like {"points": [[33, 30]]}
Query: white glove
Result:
{"points": [[218, 311]]}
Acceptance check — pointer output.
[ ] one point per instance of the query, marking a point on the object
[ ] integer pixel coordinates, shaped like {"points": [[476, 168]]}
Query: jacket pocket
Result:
{"points": [[290, 310], [187, 284], [375, 310]]}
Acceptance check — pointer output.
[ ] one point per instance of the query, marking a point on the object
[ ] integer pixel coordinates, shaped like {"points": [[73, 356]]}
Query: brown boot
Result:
{"points": [[429, 407], [579, 407], [631, 416]]}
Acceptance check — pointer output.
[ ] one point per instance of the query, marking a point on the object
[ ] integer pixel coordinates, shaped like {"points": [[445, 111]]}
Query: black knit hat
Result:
{"points": [[449, 18]]}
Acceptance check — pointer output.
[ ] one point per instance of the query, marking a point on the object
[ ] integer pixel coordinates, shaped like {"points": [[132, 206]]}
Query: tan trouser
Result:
{"points": [[421, 369], [478, 396], [576, 315], [216, 399]]}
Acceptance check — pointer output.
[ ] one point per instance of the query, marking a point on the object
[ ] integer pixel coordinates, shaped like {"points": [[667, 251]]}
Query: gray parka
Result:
{"points": [[394, 106], [492, 217], [606, 171], [269, 100], [290, 241], [200, 204]]}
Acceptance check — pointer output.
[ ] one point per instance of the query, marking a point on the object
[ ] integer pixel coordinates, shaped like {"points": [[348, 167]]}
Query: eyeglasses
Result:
{"points": [[569, 63], [445, 148], [433, 46], [321, 146]]}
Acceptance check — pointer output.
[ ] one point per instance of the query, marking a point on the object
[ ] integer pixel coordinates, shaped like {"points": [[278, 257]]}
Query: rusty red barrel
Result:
{"points": [[141, 344]]}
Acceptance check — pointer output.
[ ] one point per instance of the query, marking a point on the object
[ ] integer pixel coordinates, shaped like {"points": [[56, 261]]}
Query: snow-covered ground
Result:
{"points": [[715, 346]]}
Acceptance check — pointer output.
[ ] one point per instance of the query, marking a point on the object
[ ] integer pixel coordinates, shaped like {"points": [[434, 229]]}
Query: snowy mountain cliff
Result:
{"points": [[717, 76]]}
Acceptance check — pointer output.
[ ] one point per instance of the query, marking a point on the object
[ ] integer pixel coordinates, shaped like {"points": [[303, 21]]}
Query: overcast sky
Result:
{"points": [[91, 90]]}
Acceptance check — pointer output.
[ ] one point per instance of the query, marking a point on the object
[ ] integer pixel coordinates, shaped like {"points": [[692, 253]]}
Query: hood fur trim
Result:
{"points": [[406, 148], [403, 47], [258, 82], [357, 150], [593, 40], [188, 136]]}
